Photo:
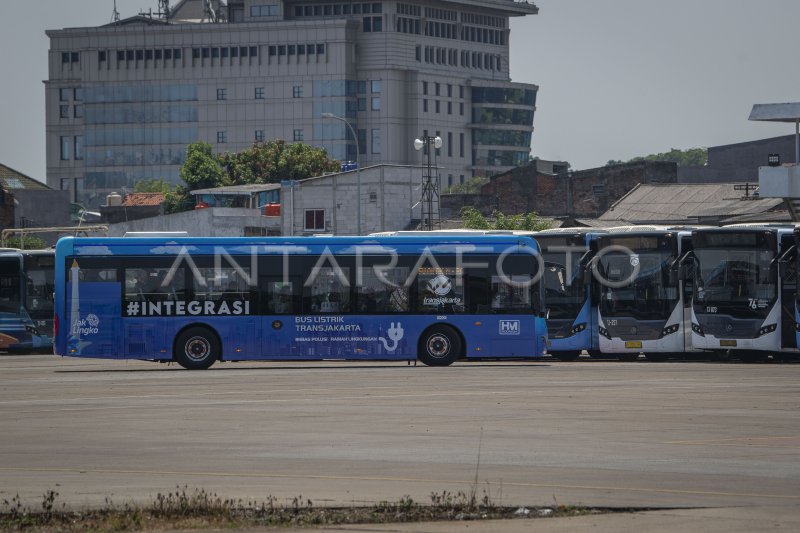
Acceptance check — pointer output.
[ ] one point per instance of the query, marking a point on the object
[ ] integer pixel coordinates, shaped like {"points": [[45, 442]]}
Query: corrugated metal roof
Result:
{"points": [[676, 203], [785, 112], [239, 190], [11, 179]]}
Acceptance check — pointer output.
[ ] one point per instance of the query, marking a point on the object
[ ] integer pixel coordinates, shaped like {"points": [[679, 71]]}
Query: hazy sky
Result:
{"points": [[617, 78]]}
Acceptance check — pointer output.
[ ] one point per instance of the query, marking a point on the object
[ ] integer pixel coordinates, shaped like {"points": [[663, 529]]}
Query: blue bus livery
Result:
{"points": [[199, 300]]}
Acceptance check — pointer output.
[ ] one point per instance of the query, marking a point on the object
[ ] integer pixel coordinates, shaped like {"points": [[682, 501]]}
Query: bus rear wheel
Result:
{"points": [[439, 346], [196, 348]]}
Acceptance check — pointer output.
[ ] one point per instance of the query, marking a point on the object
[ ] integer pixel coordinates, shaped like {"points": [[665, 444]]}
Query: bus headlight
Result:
{"points": [[767, 329], [604, 332], [577, 328], [669, 330], [697, 329]]}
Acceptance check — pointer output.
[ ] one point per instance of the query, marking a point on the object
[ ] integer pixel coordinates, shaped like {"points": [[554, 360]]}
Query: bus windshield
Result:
{"points": [[735, 281], [564, 292], [636, 285], [39, 294]]}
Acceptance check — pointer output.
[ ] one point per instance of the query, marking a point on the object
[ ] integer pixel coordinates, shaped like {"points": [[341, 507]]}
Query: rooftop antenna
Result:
{"points": [[115, 13], [208, 12], [163, 9]]}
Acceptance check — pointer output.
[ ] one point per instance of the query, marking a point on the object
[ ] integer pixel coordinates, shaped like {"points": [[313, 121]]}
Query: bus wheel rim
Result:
{"points": [[438, 345], [197, 348]]}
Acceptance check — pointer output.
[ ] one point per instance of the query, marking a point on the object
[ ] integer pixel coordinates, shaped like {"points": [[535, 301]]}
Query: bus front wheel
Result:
{"points": [[196, 348], [439, 346]]}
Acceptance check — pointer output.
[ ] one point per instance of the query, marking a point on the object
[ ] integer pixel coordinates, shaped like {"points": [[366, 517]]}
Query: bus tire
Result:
{"points": [[658, 357], [439, 346], [628, 357], [566, 356], [196, 348]]}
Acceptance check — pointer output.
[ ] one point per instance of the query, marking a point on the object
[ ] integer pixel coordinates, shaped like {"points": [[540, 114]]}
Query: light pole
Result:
{"points": [[358, 168], [429, 189]]}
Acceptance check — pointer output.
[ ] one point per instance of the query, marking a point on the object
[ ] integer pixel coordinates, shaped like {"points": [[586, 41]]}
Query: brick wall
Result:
{"points": [[583, 194]]}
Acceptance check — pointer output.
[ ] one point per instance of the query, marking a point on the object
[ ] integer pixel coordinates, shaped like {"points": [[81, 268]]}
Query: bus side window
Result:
{"points": [[383, 294], [327, 291], [282, 297], [511, 293]]}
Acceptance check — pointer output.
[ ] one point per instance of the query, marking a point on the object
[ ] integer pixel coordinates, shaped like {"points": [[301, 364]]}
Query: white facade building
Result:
{"points": [[123, 100]]}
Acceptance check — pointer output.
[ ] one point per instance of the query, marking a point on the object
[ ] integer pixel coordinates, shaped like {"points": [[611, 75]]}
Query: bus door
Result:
{"points": [[281, 309], [684, 268], [93, 311], [787, 268]]}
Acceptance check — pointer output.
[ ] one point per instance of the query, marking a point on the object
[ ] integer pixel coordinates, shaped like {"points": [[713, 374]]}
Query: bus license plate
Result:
{"points": [[633, 344], [727, 343]]}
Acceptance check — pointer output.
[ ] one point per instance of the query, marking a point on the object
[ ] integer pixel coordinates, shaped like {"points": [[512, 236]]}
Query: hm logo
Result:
{"points": [[509, 327]]}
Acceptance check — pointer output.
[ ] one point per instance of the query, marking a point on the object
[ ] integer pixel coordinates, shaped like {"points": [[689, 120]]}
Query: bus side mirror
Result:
{"points": [[773, 274], [587, 276], [782, 268], [674, 276]]}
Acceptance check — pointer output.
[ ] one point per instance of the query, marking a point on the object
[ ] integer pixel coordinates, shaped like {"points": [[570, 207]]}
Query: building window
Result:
{"points": [[222, 137], [375, 86], [598, 190], [222, 94], [315, 220], [78, 110], [78, 147], [376, 104], [449, 108], [461, 145], [260, 136], [65, 148], [64, 111], [449, 144], [64, 94], [424, 87], [297, 91], [376, 141], [438, 106], [297, 135], [362, 141], [425, 106], [259, 93]]}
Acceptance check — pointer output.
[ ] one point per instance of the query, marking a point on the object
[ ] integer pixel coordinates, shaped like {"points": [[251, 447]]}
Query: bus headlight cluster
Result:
{"points": [[604, 332], [767, 329], [577, 328], [697, 329], [669, 330]]}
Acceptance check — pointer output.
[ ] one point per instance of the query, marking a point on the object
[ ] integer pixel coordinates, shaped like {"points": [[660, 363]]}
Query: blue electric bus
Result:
{"points": [[198, 300], [644, 296], [572, 318], [26, 300], [746, 284]]}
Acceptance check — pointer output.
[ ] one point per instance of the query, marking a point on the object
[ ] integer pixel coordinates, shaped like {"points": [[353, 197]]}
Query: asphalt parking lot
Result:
{"points": [[701, 435]]}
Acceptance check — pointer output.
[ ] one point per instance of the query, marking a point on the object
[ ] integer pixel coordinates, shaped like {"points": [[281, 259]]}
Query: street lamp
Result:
{"points": [[429, 187], [358, 168]]}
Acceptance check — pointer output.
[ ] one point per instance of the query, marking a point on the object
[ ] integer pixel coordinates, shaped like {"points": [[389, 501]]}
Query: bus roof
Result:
{"points": [[98, 246]]}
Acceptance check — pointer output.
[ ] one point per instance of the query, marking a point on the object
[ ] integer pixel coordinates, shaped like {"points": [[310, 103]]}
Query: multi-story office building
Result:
{"points": [[124, 99]]}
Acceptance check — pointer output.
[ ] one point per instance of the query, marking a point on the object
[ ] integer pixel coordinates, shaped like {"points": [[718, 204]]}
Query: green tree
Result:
{"points": [[29, 242], [274, 161], [201, 170], [471, 186], [154, 185], [683, 158], [471, 218]]}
